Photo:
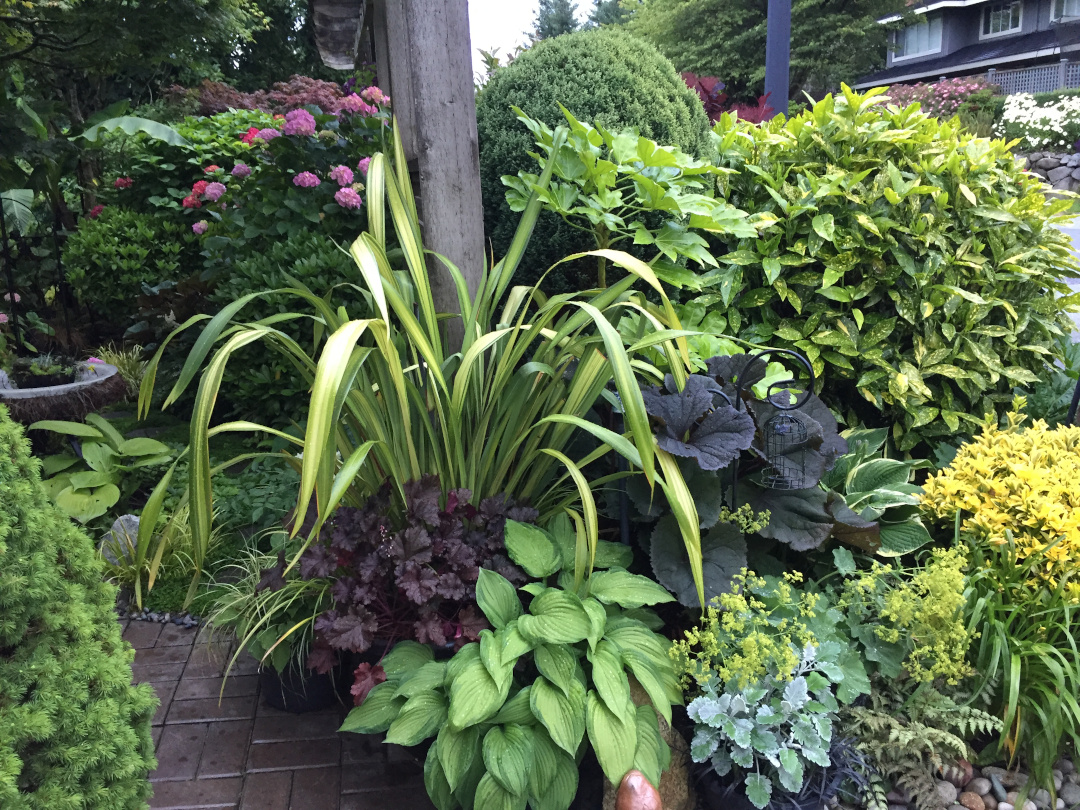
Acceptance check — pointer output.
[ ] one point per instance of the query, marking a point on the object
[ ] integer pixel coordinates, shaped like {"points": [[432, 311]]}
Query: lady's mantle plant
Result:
{"points": [[509, 713], [771, 668]]}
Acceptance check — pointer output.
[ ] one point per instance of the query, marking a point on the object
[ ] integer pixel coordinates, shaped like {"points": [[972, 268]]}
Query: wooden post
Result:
{"points": [[431, 88]]}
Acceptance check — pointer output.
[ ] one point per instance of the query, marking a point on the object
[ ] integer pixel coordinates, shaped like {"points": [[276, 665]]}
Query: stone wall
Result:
{"points": [[1062, 171]]}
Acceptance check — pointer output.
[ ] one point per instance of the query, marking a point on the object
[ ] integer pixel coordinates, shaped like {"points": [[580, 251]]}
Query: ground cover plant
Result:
{"points": [[76, 731], [1050, 123]]}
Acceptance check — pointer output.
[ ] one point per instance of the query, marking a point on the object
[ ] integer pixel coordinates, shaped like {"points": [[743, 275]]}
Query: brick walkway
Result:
{"points": [[240, 753]]}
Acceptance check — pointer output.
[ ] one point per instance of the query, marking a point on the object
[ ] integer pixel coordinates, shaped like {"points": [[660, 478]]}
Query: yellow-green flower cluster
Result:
{"points": [[1018, 486], [742, 639], [921, 608]]}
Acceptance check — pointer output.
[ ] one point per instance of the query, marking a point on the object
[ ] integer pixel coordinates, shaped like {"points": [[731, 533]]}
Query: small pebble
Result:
{"points": [[165, 618], [956, 807], [1005, 806], [1012, 796], [980, 785], [1059, 779], [996, 788], [1042, 798], [898, 807], [1060, 804], [896, 796], [1065, 766], [972, 801], [990, 802]]}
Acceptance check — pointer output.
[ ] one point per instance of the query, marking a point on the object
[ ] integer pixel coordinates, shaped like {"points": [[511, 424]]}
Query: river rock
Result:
{"points": [[1058, 174], [1035, 156], [1059, 779], [979, 785], [1005, 806], [947, 792], [637, 793], [1041, 798], [1070, 793], [990, 802], [121, 540], [1047, 163], [1009, 779], [898, 796], [1065, 766], [972, 801]]}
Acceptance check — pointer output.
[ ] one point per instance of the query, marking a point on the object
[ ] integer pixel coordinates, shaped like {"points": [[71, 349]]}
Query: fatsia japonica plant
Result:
{"points": [[511, 712], [492, 409]]}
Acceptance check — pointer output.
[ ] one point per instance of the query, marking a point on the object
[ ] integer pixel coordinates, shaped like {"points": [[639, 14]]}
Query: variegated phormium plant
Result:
{"points": [[393, 398]]}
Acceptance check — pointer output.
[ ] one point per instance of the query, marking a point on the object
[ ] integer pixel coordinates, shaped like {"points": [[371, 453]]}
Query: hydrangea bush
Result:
{"points": [[940, 99], [1053, 125]]}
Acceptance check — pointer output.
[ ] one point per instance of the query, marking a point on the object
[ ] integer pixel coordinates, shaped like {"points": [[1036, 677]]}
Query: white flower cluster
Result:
{"points": [[1052, 125]]}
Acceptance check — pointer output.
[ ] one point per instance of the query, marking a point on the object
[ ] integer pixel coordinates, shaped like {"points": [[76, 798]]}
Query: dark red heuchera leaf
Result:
{"points": [[318, 561], [471, 621], [422, 498], [322, 658], [418, 582], [273, 578], [352, 631], [366, 678], [430, 628]]}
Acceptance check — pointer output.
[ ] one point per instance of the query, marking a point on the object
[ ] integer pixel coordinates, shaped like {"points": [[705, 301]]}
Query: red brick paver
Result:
{"points": [[224, 748]]}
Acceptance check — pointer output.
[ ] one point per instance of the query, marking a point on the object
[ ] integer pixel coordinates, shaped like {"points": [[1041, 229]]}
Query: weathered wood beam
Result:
{"points": [[429, 52]]}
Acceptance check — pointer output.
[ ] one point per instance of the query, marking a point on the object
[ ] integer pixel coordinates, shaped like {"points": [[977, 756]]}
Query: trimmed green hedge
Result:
{"points": [[603, 75], [74, 732]]}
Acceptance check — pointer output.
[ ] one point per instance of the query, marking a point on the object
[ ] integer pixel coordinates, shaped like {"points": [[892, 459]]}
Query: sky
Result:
{"points": [[503, 24]]}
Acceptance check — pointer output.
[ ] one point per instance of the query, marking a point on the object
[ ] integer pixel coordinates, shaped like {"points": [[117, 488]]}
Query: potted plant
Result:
{"points": [[42, 371]]}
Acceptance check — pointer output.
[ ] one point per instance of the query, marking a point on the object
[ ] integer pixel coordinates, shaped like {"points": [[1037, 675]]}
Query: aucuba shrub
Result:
{"points": [[76, 731], [917, 267]]}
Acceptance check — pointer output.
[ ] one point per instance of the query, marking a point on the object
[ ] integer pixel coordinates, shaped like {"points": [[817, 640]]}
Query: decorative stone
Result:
{"points": [[990, 802], [980, 786], [1058, 174], [956, 807], [1047, 163], [1059, 779], [972, 801], [1009, 779], [946, 791], [1035, 156], [1030, 805], [898, 796], [121, 540], [958, 773], [1070, 793], [1065, 766], [898, 807], [996, 788], [637, 793], [1041, 798], [1060, 805], [1005, 806]]}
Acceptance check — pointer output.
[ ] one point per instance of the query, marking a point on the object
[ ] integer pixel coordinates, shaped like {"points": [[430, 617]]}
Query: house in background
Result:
{"points": [[1024, 46]]}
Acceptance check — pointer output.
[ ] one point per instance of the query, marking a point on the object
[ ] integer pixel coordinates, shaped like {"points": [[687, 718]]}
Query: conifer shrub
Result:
{"points": [[74, 731], [601, 75]]}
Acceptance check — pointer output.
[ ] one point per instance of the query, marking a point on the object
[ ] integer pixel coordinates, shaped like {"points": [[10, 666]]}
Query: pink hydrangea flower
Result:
{"points": [[352, 103], [342, 175], [363, 165], [123, 182], [200, 227], [306, 180], [95, 360], [299, 122], [191, 201], [348, 198], [7, 297], [214, 191], [3, 318], [95, 212], [374, 95], [198, 188], [241, 170], [213, 167], [268, 134]]}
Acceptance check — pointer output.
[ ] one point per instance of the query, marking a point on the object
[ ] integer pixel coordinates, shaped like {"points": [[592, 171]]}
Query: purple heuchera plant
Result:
{"points": [[408, 577]]}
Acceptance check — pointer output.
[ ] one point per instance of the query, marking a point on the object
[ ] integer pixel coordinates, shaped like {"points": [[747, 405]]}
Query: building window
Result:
{"points": [[922, 38], [1066, 8], [1002, 18]]}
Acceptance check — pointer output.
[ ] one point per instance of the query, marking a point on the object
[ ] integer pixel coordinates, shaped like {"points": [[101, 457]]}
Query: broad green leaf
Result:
{"points": [[427, 678], [438, 787], [898, 539], [562, 715], [758, 790], [68, 429], [531, 548], [86, 505], [557, 792], [610, 679], [474, 695], [379, 709], [556, 663], [420, 718], [133, 125], [516, 709], [497, 598], [652, 755], [406, 658], [555, 617], [508, 755], [613, 739], [619, 587], [457, 749], [824, 226], [490, 795]]}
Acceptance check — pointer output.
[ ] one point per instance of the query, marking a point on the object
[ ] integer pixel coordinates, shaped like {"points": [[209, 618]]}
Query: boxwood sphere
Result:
{"points": [[601, 75]]}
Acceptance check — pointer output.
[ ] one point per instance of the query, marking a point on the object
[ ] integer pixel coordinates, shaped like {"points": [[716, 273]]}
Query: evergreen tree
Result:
{"points": [[608, 12], [554, 17]]}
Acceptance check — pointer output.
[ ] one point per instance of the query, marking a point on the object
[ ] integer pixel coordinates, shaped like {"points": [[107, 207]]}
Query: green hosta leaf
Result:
{"points": [[558, 792], [497, 598], [877, 473], [508, 755], [533, 549], [619, 587], [545, 761], [562, 715], [652, 755], [652, 680], [457, 750], [898, 539], [405, 658], [610, 680], [613, 739], [420, 718], [379, 709], [758, 790], [598, 619], [428, 678], [474, 695], [501, 671], [438, 788], [490, 795], [555, 616], [612, 555], [516, 709], [85, 505], [512, 645], [144, 447], [558, 664]]}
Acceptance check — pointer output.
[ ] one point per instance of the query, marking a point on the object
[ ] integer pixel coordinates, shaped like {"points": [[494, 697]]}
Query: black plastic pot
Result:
{"points": [[297, 689]]}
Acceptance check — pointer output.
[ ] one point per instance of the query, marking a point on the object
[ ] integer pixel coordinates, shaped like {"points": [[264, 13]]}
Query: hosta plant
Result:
{"points": [[108, 466], [492, 407], [511, 712], [917, 267]]}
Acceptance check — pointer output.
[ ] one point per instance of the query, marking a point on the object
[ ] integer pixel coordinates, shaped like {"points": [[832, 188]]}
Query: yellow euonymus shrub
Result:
{"points": [[1018, 488]]}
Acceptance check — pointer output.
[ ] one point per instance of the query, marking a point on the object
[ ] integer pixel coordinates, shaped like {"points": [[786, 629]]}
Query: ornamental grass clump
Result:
{"points": [[74, 731]]}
